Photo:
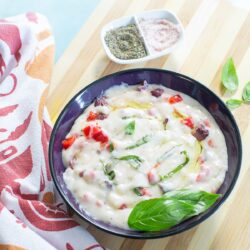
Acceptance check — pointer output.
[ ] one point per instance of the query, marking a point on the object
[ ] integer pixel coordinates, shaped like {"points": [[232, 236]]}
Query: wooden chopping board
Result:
{"points": [[215, 30]]}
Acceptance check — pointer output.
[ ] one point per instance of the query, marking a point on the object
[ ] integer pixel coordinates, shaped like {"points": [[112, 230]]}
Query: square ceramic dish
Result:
{"points": [[135, 19]]}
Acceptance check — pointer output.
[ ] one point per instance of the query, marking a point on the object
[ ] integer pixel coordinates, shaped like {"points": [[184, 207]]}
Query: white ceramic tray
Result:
{"points": [[135, 20]]}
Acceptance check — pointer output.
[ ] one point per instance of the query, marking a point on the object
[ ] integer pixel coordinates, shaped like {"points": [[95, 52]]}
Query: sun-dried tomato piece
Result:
{"points": [[200, 132], [157, 92]]}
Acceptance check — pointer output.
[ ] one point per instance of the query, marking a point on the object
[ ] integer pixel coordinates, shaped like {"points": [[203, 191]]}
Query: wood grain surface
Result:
{"points": [[214, 30]]}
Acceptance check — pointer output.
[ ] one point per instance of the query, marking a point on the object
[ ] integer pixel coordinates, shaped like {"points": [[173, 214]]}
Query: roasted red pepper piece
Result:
{"points": [[86, 131], [96, 129], [100, 137], [174, 99], [200, 132], [157, 92], [91, 116], [188, 122], [68, 142]]}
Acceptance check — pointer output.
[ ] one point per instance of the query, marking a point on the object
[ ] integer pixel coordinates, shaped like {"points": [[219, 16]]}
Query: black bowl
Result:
{"points": [[171, 80]]}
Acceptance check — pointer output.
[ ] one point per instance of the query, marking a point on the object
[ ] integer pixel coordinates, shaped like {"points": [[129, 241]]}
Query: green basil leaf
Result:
{"points": [[246, 93], [111, 175], [137, 191], [133, 160], [130, 128], [167, 154], [169, 210], [178, 168], [233, 103], [143, 140], [130, 157], [229, 76], [111, 147], [107, 170]]}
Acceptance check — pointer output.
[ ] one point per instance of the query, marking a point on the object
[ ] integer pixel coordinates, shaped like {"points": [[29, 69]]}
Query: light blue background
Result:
{"points": [[66, 16]]}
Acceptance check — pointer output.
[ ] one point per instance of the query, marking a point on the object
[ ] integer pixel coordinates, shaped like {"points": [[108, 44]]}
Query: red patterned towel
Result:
{"points": [[31, 214]]}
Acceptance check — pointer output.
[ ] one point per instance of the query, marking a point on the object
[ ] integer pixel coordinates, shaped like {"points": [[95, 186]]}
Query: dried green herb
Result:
{"points": [[125, 42]]}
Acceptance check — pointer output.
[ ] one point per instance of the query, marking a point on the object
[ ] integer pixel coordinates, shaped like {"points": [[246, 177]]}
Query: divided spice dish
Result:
{"points": [[174, 81], [145, 32]]}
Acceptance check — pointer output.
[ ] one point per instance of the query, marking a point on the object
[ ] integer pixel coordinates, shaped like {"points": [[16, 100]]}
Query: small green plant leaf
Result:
{"points": [[246, 93], [229, 76], [233, 103]]}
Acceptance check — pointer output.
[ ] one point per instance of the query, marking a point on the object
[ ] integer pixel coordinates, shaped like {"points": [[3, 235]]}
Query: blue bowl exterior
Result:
{"points": [[171, 80]]}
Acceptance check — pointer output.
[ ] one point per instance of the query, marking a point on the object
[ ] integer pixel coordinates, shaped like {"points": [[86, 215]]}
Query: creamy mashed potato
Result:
{"points": [[136, 143]]}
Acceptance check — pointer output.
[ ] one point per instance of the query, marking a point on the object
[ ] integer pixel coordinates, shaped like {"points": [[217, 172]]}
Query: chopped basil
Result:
{"points": [[130, 128], [107, 170], [167, 154], [178, 168], [229, 76], [233, 103], [246, 93], [111, 147], [137, 191], [169, 210], [143, 140], [133, 160]]}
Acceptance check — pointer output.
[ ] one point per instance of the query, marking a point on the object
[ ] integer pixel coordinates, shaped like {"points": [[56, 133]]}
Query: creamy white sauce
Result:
{"points": [[112, 200]]}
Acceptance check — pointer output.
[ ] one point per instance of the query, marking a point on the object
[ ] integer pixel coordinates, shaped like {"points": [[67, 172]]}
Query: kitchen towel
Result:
{"points": [[32, 215]]}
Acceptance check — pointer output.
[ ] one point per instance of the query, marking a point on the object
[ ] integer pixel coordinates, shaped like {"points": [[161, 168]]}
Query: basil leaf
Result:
{"points": [[133, 160], [233, 103], [107, 170], [167, 154], [111, 175], [229, 76], [111, 147], [178, 168], [246, 93], [169, 210], [137, 191], [130, 128], [143, 140]]}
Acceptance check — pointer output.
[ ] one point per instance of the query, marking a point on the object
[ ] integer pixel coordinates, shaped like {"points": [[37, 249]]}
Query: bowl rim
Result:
{"points": [[158, 234]]}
